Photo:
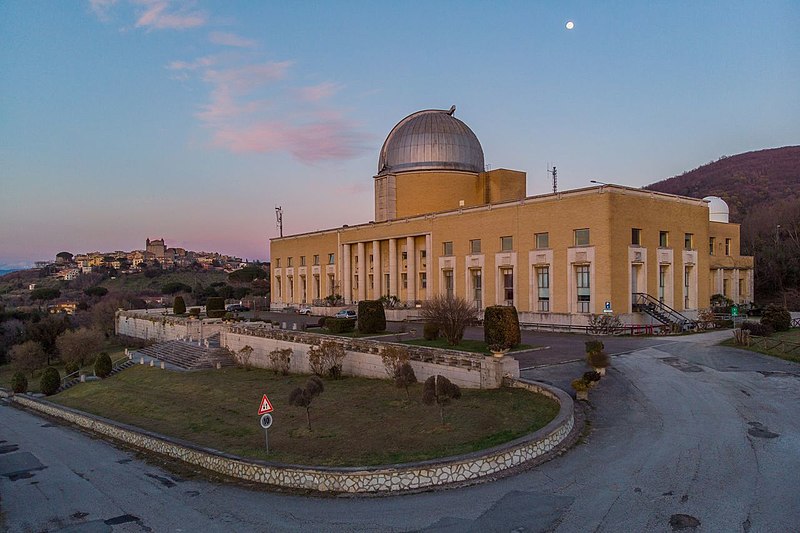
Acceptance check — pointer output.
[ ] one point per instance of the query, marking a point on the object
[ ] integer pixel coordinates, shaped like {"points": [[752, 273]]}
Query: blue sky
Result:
{"points": [[191, 121]]}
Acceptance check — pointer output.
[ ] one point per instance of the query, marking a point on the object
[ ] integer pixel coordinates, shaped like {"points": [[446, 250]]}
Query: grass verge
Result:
{"points": [[355, 421], [793, 335]]}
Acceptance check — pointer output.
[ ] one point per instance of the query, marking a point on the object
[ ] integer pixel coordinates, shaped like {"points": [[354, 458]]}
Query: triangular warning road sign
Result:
{"points": [[266, 406]]}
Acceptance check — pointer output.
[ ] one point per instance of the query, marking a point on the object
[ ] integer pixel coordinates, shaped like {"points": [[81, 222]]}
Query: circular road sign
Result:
{"points": [[266, 421]]}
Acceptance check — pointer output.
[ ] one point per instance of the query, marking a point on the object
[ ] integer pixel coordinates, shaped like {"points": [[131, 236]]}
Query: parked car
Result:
{"points": [[237, 308], [345, 313], [305, 310]]}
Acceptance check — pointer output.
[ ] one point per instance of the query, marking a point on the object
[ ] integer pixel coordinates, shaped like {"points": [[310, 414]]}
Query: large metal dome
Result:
{"points": [[431, 140]]}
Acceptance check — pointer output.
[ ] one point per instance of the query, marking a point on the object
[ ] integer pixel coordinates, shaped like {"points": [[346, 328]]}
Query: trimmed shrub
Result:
{"points": [[371, 316], [501, 326], [102, 366], [19, 383], [178, 305], [759, 329], [194, 311], [439, 390], [50, 382], [591, 377], [776, 317], [215, 307], [595, 355], [404, 377], [72, 366], [321, 321], [303, 397], [430, 331], [340, 325]]}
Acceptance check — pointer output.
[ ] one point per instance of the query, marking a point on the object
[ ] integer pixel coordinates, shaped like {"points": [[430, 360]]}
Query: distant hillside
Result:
{"points": [[762, 189], [746, 181]]}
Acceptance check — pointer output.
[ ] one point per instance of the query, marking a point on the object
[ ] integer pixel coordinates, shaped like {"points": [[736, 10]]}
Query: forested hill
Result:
{"points": [[762, 189], [748, 181]]}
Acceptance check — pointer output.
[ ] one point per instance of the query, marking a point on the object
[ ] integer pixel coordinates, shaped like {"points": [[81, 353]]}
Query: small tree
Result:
{"points": [[393, 357], [50, 381], [371, 316], [439, 390], [404, 377], [244, 356], [280, 360], [452, 314], [501, 326], [595, 355], [430, 331], [777, 317], [19, 383], [78, 346], [303, 397], [178, 306], [28, 356], [326, 359], [103, 365]]}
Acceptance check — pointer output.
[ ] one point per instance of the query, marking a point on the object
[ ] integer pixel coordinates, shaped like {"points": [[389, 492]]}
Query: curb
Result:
{"points": [[408, 477]]}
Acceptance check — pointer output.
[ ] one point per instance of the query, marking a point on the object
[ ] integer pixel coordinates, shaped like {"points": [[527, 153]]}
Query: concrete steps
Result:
{"points": [[186, 356]]}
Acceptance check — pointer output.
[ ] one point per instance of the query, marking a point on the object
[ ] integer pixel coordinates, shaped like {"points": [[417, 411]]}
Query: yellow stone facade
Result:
{"points": [[557, 257]]}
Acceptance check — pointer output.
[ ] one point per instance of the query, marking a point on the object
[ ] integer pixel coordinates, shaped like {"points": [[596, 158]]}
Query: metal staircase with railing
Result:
{"points": [[657, 309]]}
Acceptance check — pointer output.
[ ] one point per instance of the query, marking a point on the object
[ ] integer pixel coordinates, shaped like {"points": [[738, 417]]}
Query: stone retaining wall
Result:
{"points": [[404, 477], [363, 358], [157, 327]]}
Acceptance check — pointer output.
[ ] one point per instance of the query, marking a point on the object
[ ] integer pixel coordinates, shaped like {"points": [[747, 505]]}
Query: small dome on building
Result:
{"points": [[431, 140], [717, 209]]}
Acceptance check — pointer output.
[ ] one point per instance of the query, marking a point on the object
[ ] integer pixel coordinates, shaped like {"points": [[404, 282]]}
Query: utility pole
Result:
{"points": [[279, 216]]}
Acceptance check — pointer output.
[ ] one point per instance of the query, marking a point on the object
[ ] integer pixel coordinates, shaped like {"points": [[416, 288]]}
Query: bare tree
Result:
{"points": [[79, 346], [439, 390], [451, 313], [244, 356], [280, 360], [303, 397], [28, 356], [326, 359], [393, 357]]}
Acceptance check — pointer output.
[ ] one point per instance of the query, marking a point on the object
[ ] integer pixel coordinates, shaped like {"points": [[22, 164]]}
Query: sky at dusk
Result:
{"points": [[127, 119]]}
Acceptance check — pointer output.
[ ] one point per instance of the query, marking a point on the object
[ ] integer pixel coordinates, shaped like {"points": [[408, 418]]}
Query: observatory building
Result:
{"points": [[445, 225]]}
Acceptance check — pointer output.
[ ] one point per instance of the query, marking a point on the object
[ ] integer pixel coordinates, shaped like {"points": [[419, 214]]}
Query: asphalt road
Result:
{"points": [[683, 437]]}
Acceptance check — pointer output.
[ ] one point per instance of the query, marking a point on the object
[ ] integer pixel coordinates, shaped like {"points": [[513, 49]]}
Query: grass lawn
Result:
{"points": [[466, 345], [793, 335], [355, 421]]}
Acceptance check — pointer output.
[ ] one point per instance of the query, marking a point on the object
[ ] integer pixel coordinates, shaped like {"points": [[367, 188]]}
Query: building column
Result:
{"points": [[411, 271], [348, 278], [429, 267], [749, 282], [362, 272], [393, 267], [735, 286], [377, 270]]}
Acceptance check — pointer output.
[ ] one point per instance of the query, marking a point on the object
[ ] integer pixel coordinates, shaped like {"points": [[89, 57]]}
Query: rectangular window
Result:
{"points": [[303, 289], [316, 287], [290, 282], [448, 283], [316, 260], [371, 281], [662, 281], [475, 246], [423, 254], [542, 240], [727, 247], [506, 244], [711, 243], [584, 289], [404, 279], [404, 255], [330, 259], [371, 260], [663, 239], [636, 236], [289, 261], [543, 288], [508, 285], [277, 262], [386, 284], [688, 241], [477, 287], [423, 280], [278, 286], [582, 237], [302, 260], [447, 248], [687, 274]]}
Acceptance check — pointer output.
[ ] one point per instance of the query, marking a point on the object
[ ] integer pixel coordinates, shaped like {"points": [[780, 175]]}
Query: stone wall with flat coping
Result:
{"points": [[468, 370], [381, 479]]}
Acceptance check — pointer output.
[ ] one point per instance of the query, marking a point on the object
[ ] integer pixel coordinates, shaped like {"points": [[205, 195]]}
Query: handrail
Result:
{"points": [[645, 301]]}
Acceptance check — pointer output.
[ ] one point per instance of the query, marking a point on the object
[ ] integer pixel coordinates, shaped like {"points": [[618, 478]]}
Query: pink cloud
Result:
{"points": [[157, 16], [313, 141], [231, 39], [315, 93], [244, 79], [200, 62]]}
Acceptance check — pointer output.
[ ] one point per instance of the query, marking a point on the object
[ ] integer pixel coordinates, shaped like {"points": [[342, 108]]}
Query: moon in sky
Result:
{"points": [[570, 25]]}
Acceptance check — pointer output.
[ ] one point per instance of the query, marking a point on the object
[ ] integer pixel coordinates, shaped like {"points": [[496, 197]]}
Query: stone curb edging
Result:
{"points": [[353, 480]]}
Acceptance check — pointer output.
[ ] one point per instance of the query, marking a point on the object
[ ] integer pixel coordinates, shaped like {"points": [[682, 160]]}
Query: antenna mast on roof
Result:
{"points": [[554, 173], [279, 216]]}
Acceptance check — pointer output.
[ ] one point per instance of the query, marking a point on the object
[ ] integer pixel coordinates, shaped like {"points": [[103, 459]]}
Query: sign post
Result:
{"points": [[264, 409], [607, 307], [734, 314]]}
